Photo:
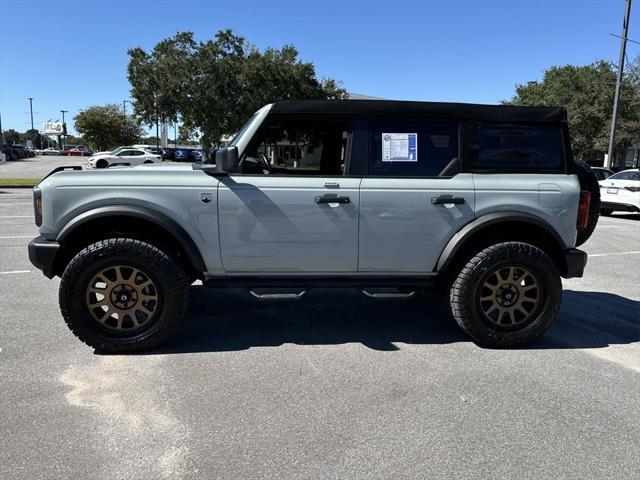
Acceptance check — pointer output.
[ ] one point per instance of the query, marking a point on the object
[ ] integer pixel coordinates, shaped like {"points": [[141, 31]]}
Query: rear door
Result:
{"points": [[414, 197], [291, 210]]}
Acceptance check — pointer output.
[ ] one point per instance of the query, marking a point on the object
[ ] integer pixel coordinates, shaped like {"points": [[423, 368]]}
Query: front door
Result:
{"points": [[291, 211], [414, 198]]}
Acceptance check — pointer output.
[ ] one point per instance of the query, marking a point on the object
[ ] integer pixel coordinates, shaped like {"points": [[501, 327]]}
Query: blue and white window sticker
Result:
{"points": [[399, 147]]}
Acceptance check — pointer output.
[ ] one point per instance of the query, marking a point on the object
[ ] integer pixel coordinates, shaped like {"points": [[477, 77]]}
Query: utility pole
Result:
{"points": [[614, 119], [32, 133], [61, 140], [1, 132]]}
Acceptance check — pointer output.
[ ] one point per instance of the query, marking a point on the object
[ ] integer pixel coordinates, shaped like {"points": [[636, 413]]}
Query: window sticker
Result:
{"points": [[399, 147]]}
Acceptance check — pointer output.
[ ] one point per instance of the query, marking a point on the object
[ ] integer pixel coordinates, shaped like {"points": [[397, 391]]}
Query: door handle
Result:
{"points": [[332, 199], [442, 199]]}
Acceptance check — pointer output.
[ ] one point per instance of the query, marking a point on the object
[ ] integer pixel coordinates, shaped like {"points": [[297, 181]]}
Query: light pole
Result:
{"points": [[614, 119], [31, 110], [61, 139]]}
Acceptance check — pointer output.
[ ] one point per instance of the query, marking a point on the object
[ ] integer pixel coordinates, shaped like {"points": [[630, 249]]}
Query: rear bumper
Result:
{"points": [[42, 254], [575, 261], [620, 206]]}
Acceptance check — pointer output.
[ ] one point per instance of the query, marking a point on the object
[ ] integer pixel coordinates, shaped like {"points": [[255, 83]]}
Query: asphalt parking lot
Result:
{"points": [[334, 386], [37, 167]]}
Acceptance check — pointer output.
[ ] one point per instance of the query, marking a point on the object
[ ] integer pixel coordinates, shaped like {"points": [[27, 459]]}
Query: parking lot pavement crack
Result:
{"points": [[145, 438]]}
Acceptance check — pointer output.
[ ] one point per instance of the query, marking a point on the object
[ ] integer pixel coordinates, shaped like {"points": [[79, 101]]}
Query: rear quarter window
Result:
{"points": [[506, 147]]}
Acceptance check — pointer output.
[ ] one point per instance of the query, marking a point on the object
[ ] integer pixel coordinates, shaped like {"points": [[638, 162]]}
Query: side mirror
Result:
{"points": [[227, 160]]}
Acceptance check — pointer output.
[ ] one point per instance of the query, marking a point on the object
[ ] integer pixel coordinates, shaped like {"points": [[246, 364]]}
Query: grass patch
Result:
{"points": [[19, 182]]}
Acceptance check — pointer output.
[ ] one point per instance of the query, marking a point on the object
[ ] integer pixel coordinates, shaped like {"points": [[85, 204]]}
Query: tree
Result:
{"points": [[587, 94], [212, 87], [12, 136], [106, 126]]}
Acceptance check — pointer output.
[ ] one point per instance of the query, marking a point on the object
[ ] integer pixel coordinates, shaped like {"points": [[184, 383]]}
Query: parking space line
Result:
{"points": [[16, 236], [15, 203], [614, 253], [16, 216], [15, 271]]}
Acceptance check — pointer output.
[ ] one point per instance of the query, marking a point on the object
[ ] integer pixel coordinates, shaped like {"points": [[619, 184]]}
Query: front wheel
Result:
{"points": [[123, 295], [506, 295]]}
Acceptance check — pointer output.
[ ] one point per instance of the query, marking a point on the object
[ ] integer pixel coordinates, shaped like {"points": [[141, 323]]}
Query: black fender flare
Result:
{"points": [[159, 219], [458, 240]]}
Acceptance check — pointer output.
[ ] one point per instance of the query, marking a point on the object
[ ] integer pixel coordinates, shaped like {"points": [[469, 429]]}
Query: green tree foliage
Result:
{"points": [[105, 126], [212, 87], [12, 136], [587, 93]]}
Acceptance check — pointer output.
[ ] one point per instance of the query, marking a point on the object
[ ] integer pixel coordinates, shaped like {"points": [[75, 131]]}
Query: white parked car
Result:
{"points": [[49, 151], [620, 192], [130, 156], [115, 151]]}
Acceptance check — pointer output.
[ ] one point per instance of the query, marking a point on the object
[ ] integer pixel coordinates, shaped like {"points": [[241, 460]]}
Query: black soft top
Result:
{"points": [[462, 111]]}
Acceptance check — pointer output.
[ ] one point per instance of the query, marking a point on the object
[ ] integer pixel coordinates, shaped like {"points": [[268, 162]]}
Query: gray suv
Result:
{"points": [[390, 197]]}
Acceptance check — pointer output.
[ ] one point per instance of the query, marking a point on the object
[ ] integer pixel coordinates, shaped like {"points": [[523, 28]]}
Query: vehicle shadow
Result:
{"points": [[230, 320]]}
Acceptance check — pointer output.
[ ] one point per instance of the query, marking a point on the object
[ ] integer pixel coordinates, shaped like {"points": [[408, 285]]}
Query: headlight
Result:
{"points": [[37, 205]]}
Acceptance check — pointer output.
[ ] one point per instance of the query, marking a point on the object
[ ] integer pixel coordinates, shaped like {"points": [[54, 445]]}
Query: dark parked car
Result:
{"points": [[196, 155], [183, 155], [168, 154], [9, 151]]}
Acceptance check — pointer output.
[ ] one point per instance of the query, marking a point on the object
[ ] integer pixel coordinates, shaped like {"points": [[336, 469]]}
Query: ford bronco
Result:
{"points": [[391, 197]]}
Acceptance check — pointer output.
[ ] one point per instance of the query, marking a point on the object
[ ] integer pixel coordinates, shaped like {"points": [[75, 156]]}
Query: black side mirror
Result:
{"points": [[227, 160]]}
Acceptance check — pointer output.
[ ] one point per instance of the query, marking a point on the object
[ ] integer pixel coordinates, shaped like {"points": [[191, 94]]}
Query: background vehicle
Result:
{"points": [[168, 153], [602, 173], [196, 155], [621, 192], [115, 151], [50, 151], [78, 151], [182, 155], [129, 157], [485, 201], [9, 152]]}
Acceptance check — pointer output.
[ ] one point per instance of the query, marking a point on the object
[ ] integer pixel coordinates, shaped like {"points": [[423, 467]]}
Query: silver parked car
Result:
{"points": [[483, 200]]}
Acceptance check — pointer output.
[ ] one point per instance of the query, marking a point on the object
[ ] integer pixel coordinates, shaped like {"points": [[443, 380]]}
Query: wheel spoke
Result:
{"points": [[513, 292], [115, 298]]}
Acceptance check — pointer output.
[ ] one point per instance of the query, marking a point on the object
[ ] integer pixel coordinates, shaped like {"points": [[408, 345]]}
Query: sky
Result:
{"points": [[69, 55]]}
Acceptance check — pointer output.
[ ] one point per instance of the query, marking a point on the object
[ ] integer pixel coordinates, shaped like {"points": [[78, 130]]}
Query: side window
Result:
{"points": [[518, 147], [137, 153], [124, 153], [302, 148], [401, 148]]}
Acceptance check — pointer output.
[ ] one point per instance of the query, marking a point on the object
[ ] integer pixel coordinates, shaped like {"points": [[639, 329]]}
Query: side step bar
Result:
{"points": [[388, 295], [277, 296]]}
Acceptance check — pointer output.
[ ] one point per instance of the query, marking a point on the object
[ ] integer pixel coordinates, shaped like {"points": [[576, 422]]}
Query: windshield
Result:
{"points": [[626, 175], [244, 128]]}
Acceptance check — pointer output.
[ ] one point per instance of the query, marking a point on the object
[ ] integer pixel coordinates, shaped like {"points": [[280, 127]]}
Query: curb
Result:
{"points": [[16, 186]]}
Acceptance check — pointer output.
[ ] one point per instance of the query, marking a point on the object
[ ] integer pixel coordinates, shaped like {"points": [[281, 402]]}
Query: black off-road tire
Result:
{"points": [[169, 276], [466, 289], [589, 182]]}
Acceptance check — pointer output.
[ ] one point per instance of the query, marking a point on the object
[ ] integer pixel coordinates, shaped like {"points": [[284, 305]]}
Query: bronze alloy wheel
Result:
{"points": [[122, 298], [510, 296]]}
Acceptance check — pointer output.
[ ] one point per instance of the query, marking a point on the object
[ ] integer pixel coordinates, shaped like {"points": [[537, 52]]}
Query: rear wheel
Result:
{"points": [[123, 295], [506, 295]]}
